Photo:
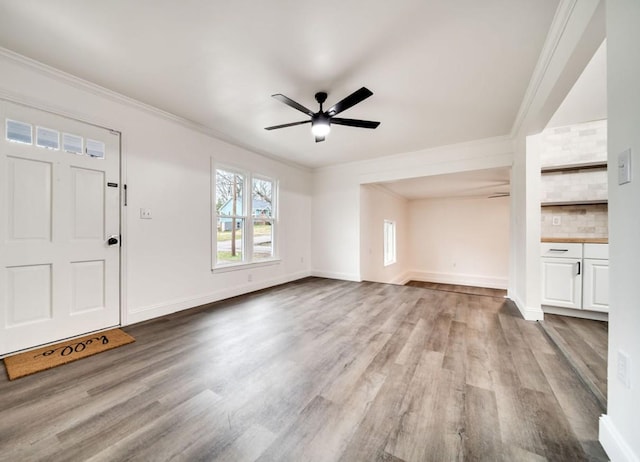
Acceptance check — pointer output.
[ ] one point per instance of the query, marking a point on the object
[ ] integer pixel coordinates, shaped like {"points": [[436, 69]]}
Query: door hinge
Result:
{"points": [[124, 186]]}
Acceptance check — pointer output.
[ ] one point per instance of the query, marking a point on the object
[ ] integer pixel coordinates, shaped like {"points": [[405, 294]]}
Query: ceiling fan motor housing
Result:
{"points": [[320, 118], [321, 97]]}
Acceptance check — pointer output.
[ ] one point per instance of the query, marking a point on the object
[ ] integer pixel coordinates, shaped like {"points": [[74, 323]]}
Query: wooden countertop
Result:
{"points": [[577, 240]]}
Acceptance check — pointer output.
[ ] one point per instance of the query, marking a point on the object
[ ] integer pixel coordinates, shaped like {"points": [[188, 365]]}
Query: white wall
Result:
{"points": [[619, 433], [167, 260], [336, 199], [335, 225], [460, 240], [376, 205]]}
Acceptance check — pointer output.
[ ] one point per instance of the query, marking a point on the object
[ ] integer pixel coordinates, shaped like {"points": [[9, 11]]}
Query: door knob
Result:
{"points": [[113, 240]]}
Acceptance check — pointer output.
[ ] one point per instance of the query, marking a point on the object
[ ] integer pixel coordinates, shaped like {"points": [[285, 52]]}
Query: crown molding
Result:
{"points": [[498, 144], [383, 189], [103, 92]]}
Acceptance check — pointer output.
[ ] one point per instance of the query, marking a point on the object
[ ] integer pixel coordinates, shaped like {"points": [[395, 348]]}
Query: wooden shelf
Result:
{"points": [[576, 240], [574, 167], [559, 204]]}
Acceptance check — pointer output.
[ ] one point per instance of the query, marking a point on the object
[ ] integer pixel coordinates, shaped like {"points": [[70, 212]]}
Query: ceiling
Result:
{"points": [[476, 183], [442, 71], [586, 101]]}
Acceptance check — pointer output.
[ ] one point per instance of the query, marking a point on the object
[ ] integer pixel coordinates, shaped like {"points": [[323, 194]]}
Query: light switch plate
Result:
{"points": [[624, 167]]}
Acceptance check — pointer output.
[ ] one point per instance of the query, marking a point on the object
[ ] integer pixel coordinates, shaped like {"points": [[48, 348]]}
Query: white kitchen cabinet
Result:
{"points": [[575, 276], [562, 282], [595, 285]]}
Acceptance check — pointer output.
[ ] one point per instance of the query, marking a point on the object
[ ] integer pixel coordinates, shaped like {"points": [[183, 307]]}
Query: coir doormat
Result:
{"points": [[44, 358]]}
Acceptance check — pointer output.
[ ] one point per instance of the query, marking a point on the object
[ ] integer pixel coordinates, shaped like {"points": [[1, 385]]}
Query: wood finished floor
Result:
{"points": [[585, 343], [316, 370], [469, 290]]}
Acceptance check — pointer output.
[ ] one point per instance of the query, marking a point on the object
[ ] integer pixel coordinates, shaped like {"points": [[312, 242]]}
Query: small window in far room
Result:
{"points": [[389, 242]]}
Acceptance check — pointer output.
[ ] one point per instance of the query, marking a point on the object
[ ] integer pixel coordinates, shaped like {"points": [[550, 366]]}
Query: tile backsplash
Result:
{"points": [[574, 144], [575, 221], [574, 186]]}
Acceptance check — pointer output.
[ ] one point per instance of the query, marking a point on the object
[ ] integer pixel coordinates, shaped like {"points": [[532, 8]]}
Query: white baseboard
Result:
{"points": [[340, 276], [615, 446], [162, 309], [529, 313], [459, 279], [595, 315], [401, 279]]}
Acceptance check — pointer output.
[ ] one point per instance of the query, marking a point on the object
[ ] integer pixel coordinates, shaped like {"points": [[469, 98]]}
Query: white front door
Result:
{"points": [[59, 206]]}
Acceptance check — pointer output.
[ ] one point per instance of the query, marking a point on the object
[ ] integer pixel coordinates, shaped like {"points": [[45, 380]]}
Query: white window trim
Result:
{"points": [[247, 216], [228, 267]]}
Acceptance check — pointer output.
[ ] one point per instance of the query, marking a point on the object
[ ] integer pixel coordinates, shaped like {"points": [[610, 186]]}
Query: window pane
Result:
{"points": [[229, 193], [47, 138], [262, 198], [72, 143], [262, 239], [18, 132], [230, 240]]}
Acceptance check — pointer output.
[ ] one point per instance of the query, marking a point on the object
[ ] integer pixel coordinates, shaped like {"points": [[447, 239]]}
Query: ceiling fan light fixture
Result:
{"points": [[320, 127]]}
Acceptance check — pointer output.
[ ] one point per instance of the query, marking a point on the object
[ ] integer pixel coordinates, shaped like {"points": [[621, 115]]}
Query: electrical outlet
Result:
{"points": [[556, 220], [145, 214], [624, 367]]}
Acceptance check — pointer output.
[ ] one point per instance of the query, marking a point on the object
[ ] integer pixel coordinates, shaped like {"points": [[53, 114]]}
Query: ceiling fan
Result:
{"points": [[499, 194], [321, 121]]}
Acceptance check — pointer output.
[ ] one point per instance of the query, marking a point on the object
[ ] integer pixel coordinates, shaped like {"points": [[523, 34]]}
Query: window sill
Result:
{"points": [[243, 266]]}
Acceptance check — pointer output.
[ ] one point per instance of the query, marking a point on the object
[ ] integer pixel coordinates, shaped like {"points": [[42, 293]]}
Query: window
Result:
{"points": [[230, 219], [389, 242], [245, 218], [262, 215]]}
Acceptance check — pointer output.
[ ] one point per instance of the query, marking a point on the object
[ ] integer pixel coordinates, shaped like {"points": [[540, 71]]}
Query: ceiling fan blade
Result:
{"points": [[354, 122], [292, 103], [287, 125], [319, 138], [350, 101]]}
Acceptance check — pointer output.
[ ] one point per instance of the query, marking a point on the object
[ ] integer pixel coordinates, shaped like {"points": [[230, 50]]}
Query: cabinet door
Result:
{"points": [[596, 285], [562, 282]]}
